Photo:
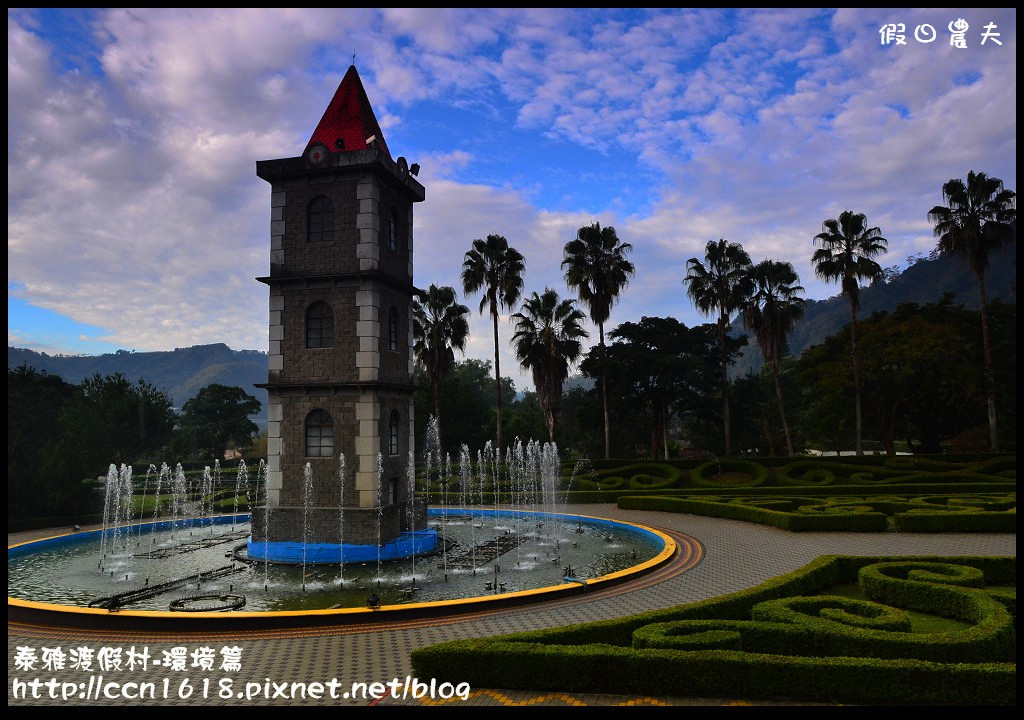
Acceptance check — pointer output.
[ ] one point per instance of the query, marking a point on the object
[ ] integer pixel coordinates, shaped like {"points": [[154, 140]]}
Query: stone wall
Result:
{"points": [[395, 465], [324, 523], [395, 263], [394, 364], [320, 258], [305, 379], [295, 406], [336, 363]]}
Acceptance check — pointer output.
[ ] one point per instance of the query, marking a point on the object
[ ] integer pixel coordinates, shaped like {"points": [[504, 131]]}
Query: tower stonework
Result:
{"points": [[340, 360]]}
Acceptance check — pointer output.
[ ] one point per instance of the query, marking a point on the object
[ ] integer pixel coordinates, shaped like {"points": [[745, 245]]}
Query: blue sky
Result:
{"points": [[135, 219]]}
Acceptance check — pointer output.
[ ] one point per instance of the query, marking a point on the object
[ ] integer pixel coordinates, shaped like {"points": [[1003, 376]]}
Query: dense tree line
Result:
{"points": [[922, 378], [912, 376], [60, 437]]}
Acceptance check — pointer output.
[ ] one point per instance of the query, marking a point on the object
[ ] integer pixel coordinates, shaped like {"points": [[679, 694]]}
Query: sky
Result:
{"points": [[135, 218]]}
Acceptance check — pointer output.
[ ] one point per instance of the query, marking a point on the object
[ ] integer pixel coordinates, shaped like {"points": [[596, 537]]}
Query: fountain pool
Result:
{"points": [[487, 554]]}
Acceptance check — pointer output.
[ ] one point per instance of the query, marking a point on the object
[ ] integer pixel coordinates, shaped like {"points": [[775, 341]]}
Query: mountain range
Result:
{"points": [[925, 280], [180, 373]]}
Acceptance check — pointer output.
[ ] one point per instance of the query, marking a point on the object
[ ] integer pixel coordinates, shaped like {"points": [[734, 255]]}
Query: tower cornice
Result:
{"points": [[283, 172]]}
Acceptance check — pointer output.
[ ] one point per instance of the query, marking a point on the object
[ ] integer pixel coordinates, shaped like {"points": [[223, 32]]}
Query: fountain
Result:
{"points": [[194, 558], [340, 437]]}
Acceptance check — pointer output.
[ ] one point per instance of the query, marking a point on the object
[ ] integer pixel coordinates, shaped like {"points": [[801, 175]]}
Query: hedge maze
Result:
{"points": [[961, 493], [871, 513], [840, 629], [613, 477]]}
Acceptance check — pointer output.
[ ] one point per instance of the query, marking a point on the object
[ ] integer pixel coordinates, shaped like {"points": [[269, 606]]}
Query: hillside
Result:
{"points": [[923, 282], [180, 373]]}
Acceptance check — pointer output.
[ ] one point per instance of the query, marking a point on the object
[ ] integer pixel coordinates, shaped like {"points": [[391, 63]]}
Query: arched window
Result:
{"points": [[393, 424], [319, 325], [392, 230], [320, 227], [319, 434], [393, 329]]}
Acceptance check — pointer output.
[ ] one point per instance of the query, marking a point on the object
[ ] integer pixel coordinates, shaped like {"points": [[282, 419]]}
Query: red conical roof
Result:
{"points": [[349, 118]]}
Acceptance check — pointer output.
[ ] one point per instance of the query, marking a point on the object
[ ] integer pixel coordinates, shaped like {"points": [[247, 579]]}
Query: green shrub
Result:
{"points": [[711, 474], [737, 510], [833, 509], [668, 477], [717, 647], [842, 513], [997, 466], [962, 503], [913, 463], [822, 472], [1007, 597], [813, 476], [898, 470], [922, 521], [594, 481], [607, 480], [834, 613], [636, 476], [939, 474], [688, 635]]}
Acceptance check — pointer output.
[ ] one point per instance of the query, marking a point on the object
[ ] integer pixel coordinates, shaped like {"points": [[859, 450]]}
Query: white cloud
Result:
{"points": [[133, 204]]}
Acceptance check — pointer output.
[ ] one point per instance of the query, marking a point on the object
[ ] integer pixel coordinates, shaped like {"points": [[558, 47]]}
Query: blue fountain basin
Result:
{"points": [[419, 542]]}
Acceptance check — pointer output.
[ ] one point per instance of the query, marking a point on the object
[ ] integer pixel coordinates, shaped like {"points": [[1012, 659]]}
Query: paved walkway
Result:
{"points": [[737, 555]]}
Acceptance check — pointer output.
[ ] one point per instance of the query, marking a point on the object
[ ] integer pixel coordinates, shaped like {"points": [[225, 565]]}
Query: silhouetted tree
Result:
{"points": [[218, 417], [978, 217], [846, 252], [496, 269], [597, 269], [720, 285], [547, 342], [771, 310], [439, 328]]}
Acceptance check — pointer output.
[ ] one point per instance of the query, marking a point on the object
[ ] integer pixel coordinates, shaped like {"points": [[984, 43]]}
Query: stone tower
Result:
{"points": [[341, 357]]}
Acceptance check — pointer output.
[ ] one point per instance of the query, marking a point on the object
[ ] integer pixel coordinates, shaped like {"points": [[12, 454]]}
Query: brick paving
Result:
{"points": [[737, 555]]}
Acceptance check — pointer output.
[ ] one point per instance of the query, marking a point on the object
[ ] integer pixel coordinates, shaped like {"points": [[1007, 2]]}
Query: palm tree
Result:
{"points": [[439, 328], [719, 285], [547, 341], [771, 310], [596, 267], [497, 269], [847, 247], [978, 217]]}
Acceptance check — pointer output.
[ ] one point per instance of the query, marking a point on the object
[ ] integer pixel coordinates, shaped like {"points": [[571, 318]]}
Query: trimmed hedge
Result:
{"points": [[634, 476], [609, 478], [1007, 597], [895, 471], [818, 473], [704, 475], [603, 496], [962, 503], [717, 672], [832, 626], [840, 490], [916, 521], [738, 644], [853, 514], [795, 522], [774, 461]]}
